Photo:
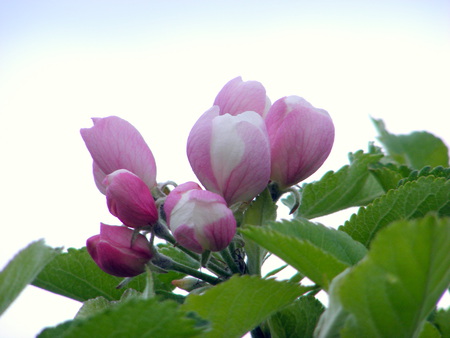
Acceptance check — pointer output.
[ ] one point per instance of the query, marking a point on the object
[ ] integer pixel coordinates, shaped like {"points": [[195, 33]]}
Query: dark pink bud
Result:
{"points": [[115, 252], [301, 137], [130, 199], [199, 219]]}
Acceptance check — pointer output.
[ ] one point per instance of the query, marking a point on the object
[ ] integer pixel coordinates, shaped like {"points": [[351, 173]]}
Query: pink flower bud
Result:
{"points": [[129, 199], [199, 219], [115, 144], [115, 252], [238, 96], [230, 155], [301, 137]]}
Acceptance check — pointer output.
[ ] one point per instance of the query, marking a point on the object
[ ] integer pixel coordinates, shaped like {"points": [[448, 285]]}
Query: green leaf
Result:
{"points": [[133, 318], [297, 320], [394, 289], [92, 307], [427, 171], [22, 269], [442, 321], [75, 275], [352, 185], [429, 331], [389, 175], [318, 252], [412, 200], [416, 150], [238, 305], [335, 242], [178, 255], [260, 213]]}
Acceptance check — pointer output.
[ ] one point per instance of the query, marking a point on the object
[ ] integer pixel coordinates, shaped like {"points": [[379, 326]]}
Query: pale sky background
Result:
{"points": [[159, 65]]}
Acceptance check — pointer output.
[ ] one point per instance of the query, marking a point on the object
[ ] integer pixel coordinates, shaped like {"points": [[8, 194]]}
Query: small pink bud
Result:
{"points": [[129, 199], [115, 144], [301, 137], [115, 252], [238, 96], [230, 155], [199, 220]]}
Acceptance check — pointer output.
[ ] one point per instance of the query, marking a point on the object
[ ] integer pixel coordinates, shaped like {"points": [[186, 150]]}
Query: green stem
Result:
{"points": [[149, 291], [213, 267], [228, 258], [175, 266]]}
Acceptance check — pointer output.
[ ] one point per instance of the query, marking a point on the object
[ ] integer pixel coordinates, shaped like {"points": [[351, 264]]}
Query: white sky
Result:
{"points": [[160, 64]]}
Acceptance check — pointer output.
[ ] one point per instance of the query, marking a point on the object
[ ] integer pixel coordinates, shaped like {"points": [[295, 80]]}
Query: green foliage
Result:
{"points": [[259, 213], [241, 303], [394, 289], [318, 252], [297, 320], [412, 200], [442, 322], [132, 318], [75, 275], [389, 175], [22, 269], [427, 171], [416, 150], [352, 185], [384, 269]]}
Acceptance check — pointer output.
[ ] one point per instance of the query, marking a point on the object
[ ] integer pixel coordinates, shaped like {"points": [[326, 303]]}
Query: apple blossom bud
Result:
{"points": [[230, 155], [199, 220], [129, 199], [115, 144], [301, 137], [238, 96], [117, 253]]}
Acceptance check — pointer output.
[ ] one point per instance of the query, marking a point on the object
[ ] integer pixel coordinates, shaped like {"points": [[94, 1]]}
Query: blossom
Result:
{"points": [[230, 155], [117, 253], [238, 96], [129, 199], [115, 144], [301, 137], [199, 220]]}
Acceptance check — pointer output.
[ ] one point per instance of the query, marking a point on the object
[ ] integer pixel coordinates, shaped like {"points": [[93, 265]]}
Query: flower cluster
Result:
{"points": [[236, 149]]}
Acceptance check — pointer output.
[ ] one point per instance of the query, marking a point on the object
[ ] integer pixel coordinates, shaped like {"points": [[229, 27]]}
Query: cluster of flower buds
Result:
{"points": [[236, 148]]}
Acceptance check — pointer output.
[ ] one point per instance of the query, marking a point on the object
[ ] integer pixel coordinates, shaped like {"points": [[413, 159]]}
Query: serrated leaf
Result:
{"points": [[394, 289], [22, 269], [75, 275], [92, 307], [262, 211], [412, 200], [416, 150], [335, 242], [389, 175], [133, 318], [426, 171], [238, 305], [352, 185], [318, 252], [297, 320]]}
